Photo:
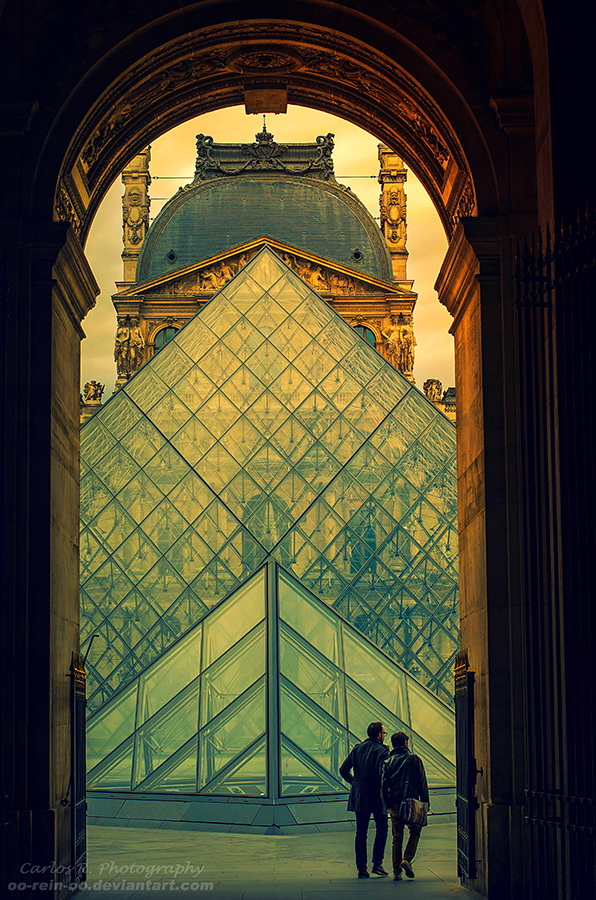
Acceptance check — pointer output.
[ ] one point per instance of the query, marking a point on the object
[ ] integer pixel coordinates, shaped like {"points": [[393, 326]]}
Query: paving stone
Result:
{"points": [[305, 865], [153, 809], [104, 807]]}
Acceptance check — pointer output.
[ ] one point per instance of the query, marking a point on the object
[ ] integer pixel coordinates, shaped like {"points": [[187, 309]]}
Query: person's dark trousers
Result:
{"points": [[362, 820], [397, 831]]}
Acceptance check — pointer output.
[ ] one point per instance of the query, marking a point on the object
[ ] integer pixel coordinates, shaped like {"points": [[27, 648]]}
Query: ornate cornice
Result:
{"points": [[208, 276], [264, 155], [210, 69]]}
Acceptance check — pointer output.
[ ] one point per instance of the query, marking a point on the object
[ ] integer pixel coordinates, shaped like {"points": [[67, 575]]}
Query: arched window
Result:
{"points": [[162, 337], [366, 333]]}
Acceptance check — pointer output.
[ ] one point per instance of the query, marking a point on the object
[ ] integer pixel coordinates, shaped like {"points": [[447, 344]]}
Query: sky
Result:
{"points": [[356, 165]]}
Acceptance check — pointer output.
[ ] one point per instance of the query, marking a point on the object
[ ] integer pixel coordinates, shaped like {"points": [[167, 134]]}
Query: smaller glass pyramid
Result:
{"points": [[267, 429], [200, 720]]}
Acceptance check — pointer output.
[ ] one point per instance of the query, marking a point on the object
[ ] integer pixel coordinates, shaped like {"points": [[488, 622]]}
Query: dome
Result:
{"points": [[308, 210]]}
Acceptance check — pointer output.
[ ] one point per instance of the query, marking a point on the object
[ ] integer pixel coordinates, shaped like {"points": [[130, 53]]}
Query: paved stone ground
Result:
{"points": [[258, 867]]}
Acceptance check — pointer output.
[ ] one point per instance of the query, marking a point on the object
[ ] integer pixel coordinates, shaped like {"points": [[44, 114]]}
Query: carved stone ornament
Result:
{"points": [[264, 154], [393, 209], [92, 392], [209, 279], [425, 130], [373, 324], [207, 69], [270, 59], [160, 83], [135, 218], [155, 325], [466, 205], [324, 279], [433, 389], [65, 210]]}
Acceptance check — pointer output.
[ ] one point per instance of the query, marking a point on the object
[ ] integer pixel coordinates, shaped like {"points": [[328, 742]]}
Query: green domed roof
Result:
{"points": [[241, 193]]}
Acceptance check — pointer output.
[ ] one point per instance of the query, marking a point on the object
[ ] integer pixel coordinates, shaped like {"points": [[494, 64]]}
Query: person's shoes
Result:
{"points": [[397, 876], [362, 873], [407, 867], [379, 870]]}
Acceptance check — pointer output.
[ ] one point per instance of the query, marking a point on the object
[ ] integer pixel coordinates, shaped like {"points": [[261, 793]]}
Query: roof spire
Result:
{"points": [[264, 137]]}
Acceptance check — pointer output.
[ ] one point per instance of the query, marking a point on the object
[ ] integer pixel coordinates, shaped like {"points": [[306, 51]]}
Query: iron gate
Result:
{"points": [[78, 767], [466, 802]]}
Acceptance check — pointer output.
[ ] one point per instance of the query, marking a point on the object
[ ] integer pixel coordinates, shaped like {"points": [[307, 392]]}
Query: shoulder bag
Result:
{"points": [[412, 811]]}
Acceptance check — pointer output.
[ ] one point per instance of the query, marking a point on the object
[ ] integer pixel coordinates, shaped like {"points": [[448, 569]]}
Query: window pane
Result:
{"points": [[241, 613]]}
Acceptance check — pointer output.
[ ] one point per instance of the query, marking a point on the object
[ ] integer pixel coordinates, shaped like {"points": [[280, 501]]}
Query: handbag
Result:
{"points": [[412, 811]]}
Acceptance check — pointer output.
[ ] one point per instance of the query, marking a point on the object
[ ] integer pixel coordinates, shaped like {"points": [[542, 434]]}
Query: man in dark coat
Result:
{"points": [[402, 771], [366, 760]]}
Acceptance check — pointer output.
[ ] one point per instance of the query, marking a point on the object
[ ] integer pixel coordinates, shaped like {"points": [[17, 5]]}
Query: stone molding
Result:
{"points": [[200, 71], [473, 254], [74, 283]]}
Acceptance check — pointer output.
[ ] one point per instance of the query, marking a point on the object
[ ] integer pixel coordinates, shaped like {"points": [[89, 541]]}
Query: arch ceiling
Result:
{"points": [[209, 69]]}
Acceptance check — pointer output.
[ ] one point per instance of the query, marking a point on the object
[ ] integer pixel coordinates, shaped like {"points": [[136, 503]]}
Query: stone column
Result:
{"points": [[475, 285], [50, 288]]}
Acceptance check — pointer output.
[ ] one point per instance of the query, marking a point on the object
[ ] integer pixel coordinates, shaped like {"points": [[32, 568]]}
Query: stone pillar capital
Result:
{"points": [[74, 283], [473, 257]]}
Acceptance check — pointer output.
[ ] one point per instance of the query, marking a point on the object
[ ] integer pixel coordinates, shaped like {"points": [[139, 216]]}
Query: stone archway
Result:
{"points": [[264, 65], [398, 78]]}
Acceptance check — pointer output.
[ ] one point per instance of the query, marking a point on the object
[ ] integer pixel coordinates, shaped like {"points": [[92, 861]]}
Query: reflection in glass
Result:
{"points": [[265, 430]]}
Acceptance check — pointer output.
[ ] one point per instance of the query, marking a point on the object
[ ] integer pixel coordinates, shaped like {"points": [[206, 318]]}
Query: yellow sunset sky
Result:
{"points": [[172, 165]]}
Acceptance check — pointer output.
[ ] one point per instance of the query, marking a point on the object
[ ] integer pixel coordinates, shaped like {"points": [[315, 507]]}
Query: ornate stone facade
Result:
{"points": [[393, 208], [384, 307], [135, 210], [169, 302]]}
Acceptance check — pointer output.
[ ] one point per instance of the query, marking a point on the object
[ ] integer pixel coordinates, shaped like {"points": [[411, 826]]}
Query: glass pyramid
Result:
{"points": [[266, 429], [262, 698]]}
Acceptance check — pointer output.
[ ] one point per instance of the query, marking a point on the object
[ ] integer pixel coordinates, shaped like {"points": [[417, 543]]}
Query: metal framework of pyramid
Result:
{"points": [[267, 429], [262, 698]]}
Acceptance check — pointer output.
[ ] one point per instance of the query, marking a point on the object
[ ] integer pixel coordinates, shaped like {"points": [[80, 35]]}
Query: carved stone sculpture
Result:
{"points": [[121, 347], [135, 218], [317, 280], [136, 346], [407, 344], [433, 389], [129, 346], [401, 345], [92, 392]]}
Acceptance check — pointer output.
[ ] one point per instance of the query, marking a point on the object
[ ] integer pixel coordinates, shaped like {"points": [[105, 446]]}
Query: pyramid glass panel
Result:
{"points": [[143, 441], [312, 673], [162, 735], [308, 726], [245, 776], [300, 775], [231, 733], [202, 702], [115, 772], [111, 727], [266, 431], [178, 774], [233, 673], [92, 554]]}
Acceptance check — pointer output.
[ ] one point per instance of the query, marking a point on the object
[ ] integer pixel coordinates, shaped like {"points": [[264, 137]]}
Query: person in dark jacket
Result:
{"points": [[366, 760], [402, 770]]}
